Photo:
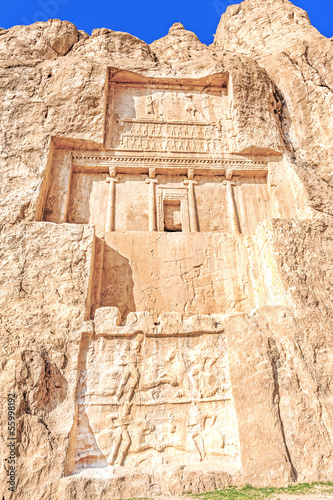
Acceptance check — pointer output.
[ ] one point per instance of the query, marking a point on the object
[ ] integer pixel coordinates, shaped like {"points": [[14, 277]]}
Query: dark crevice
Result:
{"points": [[44, 424], [274, 356], [322, 83], [282, 111]]}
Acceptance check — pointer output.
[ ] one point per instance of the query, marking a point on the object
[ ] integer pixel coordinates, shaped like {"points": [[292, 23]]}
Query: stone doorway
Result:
{"points": [[172, 216]]}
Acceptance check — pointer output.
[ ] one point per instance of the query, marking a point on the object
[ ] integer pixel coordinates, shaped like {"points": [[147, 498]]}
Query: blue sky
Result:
{"points": [[146, 19]]}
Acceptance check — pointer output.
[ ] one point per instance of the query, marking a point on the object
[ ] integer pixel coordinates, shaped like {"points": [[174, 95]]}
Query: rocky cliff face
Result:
{"points": [[54, 97], [298, 59]]}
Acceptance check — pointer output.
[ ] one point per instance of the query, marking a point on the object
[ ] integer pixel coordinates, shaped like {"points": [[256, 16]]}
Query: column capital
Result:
{"points": [[228, 182], [229, 174], [152, 172], [189, 182], [151, 181], [111, 179], [112, 171], [190, 173]]}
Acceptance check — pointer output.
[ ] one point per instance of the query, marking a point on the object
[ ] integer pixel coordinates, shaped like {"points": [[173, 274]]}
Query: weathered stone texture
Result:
{"points": [[298, 59], [45, 277], [44, 281], [286, 352], [176, 291]]}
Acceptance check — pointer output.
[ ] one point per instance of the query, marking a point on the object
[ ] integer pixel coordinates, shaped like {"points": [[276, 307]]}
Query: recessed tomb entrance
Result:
{"points": [[172, 216], [175, 214]]}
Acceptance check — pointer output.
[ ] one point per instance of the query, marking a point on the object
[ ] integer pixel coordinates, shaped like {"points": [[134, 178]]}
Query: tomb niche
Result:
{"points": [[164, 178], [174, 213], [164, 138]]}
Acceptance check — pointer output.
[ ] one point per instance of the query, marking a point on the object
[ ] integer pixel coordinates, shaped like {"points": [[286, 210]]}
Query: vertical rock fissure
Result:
{"points": [[274, 357]]}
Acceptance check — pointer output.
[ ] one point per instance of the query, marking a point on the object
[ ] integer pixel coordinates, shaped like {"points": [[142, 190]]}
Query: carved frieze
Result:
{"points": [[135, 162], [172, 137], [156, 400], [166, 115]]}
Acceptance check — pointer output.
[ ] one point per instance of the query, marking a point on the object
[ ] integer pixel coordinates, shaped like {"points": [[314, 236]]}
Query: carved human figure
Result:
{"points": [[139, 430], [144, 143], [150, 105], [213, 440], [175, 365], [124, 141], [175, 434], [208, 379], [110, 379], [194, 372], [131, 141], [121, 438], [203, 380], [194, 426], [131, 374], [191, 108], [171, 145], [193, 376], [158, 372]]}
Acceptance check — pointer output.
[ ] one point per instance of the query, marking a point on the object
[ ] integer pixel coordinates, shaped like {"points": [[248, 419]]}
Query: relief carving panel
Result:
{"points": [[167, 118], [156, 400], [170, 137]]}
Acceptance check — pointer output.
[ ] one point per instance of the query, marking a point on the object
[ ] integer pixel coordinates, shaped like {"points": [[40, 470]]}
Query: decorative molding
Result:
{"points": [[201, 164]]}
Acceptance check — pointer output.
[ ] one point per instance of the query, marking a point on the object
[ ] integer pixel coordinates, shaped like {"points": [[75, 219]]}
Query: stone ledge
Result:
{"points": [[117, 482], [108, 322]]}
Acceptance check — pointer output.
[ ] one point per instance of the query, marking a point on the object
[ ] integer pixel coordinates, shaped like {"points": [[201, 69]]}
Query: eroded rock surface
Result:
{"points": [[166, 246], [298, 59]]}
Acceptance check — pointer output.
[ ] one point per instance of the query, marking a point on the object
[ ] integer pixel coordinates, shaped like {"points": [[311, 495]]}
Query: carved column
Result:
{"points": [[233, 214], [110, 216], [68, 194], [152, 201], [194, 222]]}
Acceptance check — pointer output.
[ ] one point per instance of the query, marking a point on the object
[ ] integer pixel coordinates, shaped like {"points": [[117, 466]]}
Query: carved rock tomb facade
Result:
{"points": [[166, 240], [174, 214]]}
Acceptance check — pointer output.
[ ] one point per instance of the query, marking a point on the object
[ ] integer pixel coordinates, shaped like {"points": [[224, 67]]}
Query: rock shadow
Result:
{"points": [[117, 285]]}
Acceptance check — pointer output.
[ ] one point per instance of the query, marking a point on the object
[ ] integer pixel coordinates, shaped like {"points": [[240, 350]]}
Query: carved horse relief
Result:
{"points": [[164, 400]]}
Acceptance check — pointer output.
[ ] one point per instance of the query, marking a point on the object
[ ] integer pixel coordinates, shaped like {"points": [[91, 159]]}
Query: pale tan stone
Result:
{"points": [[166, 249], [298, 59]]}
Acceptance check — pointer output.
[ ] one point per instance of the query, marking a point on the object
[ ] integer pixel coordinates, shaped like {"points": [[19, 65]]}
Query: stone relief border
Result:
{"points": [[126, 424], [210, 84]]}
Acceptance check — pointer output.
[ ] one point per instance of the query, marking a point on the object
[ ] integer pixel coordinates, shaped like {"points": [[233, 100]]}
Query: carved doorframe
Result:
{"points": [[165, 193]]}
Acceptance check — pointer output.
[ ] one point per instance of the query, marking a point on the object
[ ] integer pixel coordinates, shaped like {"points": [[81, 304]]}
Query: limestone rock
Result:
{"points": [[38, 41], [166, 242], [179, 45], [298, 59], [113, 45]]}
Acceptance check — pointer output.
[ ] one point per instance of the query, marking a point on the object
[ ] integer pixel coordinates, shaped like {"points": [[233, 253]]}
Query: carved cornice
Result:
{"points": [[125, 163], [140, 163]]}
